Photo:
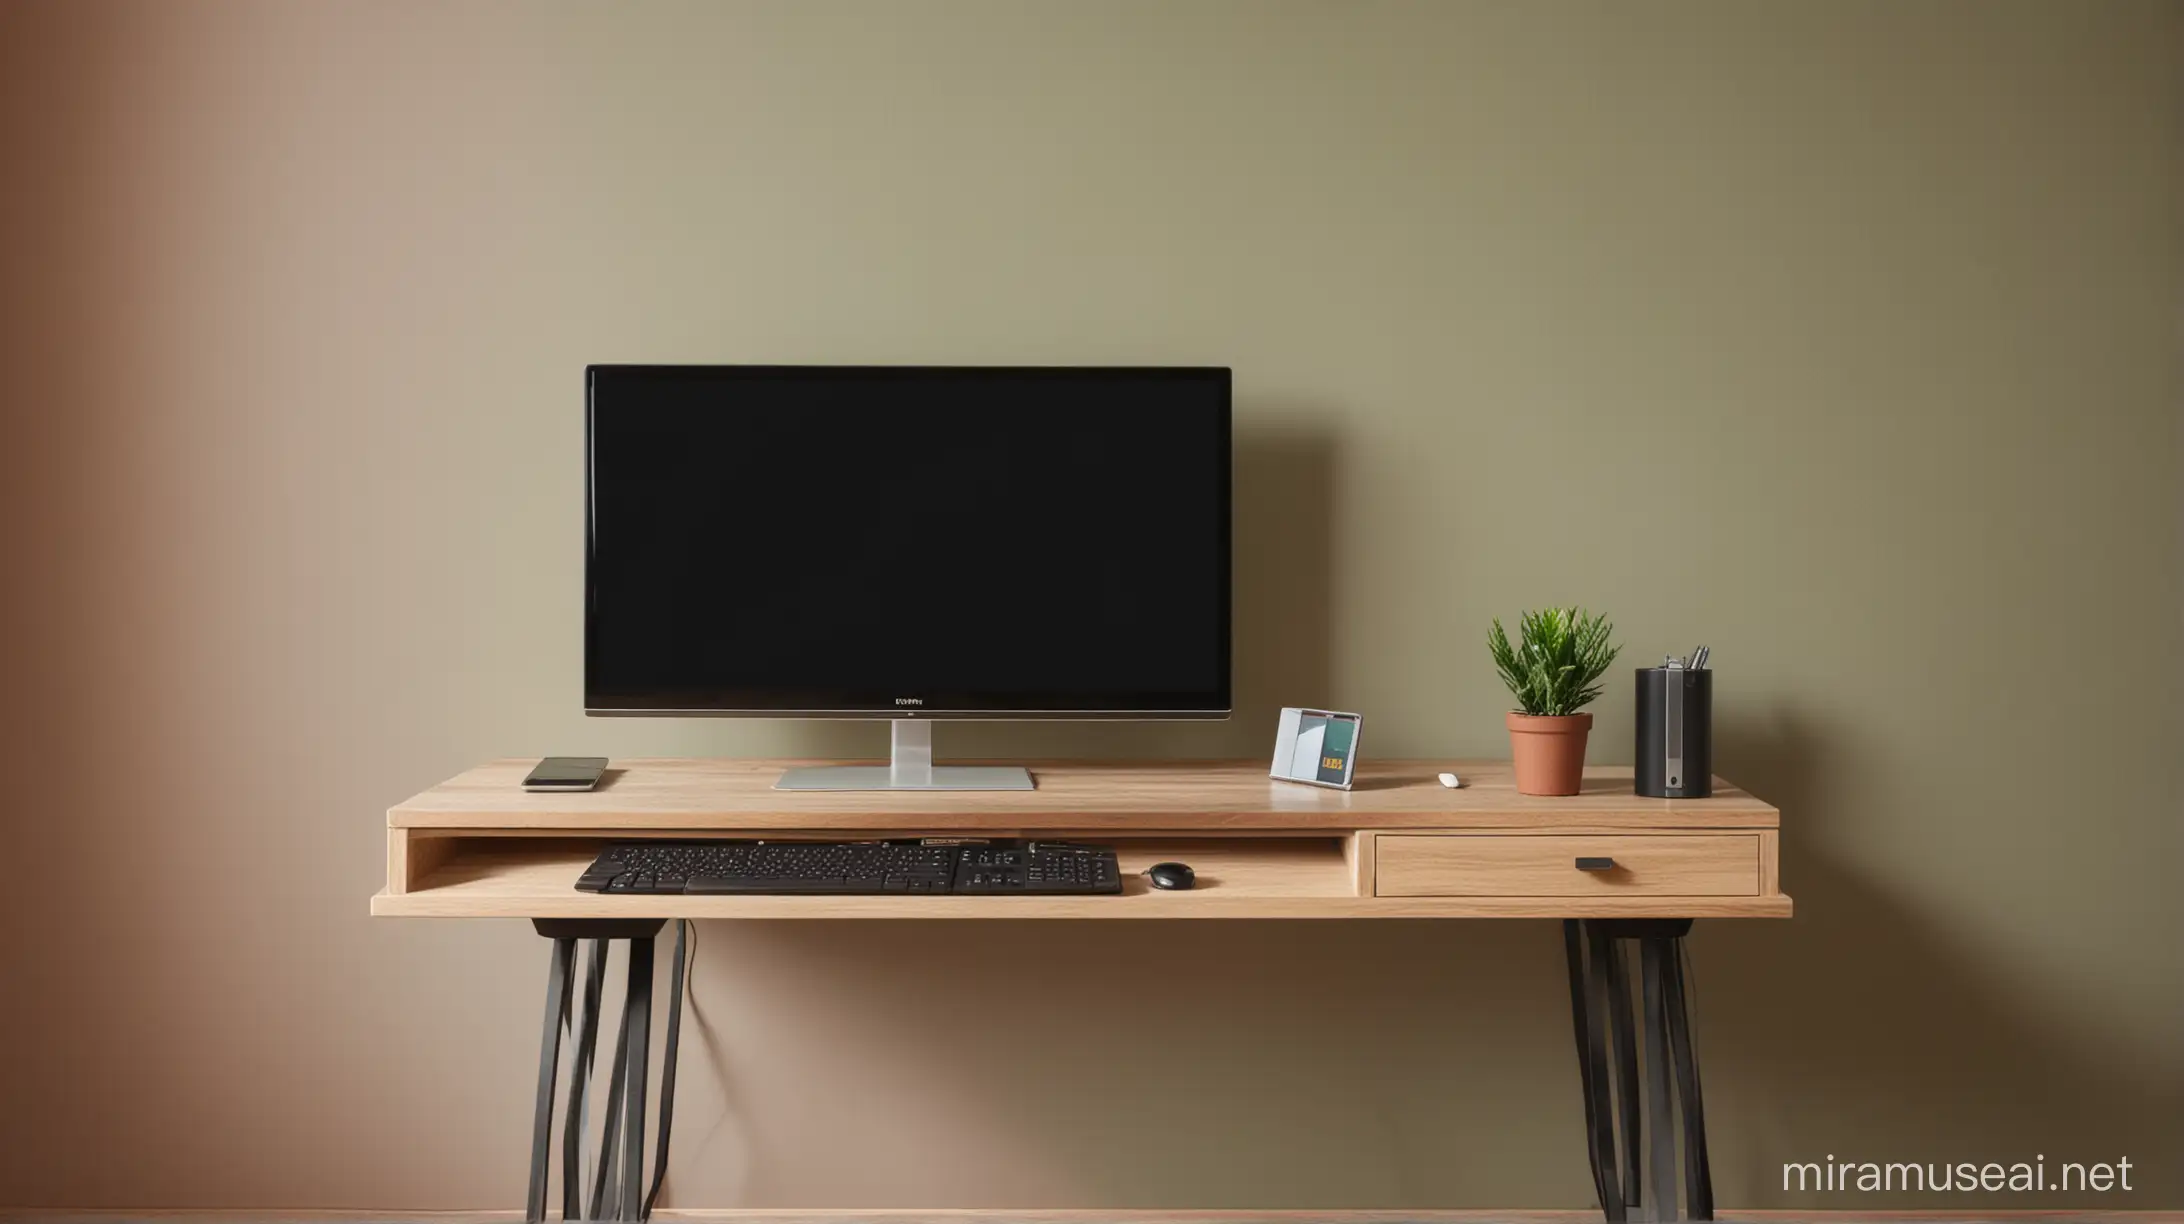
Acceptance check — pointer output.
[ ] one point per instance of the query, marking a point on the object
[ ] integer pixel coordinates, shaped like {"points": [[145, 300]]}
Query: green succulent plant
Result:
{"points": [[1560, 655]]}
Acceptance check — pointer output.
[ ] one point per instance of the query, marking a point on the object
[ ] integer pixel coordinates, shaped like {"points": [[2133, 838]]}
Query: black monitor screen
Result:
{"points": [[786, 539]]}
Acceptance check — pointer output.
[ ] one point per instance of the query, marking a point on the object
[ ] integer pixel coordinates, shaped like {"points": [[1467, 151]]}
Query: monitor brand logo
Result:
{"points": [[917, 701]]}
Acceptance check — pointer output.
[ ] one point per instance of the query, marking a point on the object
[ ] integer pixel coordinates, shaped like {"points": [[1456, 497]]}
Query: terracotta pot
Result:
{"points": [[1549, 752]]}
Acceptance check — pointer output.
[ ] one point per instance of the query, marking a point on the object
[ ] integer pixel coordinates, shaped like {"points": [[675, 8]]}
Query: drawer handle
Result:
{"points": [[1596, 864]]}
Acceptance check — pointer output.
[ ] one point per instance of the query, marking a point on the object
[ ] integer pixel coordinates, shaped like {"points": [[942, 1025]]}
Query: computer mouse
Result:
{"points": [[1171, 875]]}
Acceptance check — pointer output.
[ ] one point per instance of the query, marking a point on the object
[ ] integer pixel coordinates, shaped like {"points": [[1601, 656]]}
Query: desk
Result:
{"points": [[1400, 845]]}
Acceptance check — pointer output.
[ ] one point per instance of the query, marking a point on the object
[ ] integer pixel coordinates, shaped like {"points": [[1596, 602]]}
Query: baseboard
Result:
{"points": [[769, 1215]]}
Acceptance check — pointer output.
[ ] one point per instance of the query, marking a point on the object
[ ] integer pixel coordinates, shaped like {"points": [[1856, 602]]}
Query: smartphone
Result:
{"points": [[566, 774]]}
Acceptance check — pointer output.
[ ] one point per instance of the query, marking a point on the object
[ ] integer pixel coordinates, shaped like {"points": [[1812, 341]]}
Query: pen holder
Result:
{"points": [[1675, 758]]}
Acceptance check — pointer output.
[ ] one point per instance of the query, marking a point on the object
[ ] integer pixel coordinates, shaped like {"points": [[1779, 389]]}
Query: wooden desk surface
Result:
{"points": [[1177, 796], [1401, 845]]}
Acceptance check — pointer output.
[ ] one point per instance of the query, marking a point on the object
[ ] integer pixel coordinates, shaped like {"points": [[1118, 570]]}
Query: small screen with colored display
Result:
{"points": [[1316, 746]]}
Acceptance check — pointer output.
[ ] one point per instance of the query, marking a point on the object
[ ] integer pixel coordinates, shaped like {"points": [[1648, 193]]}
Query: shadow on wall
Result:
{"points": [[1284, 530], [1285, 545], [1326, 1065], [1862, 997]]}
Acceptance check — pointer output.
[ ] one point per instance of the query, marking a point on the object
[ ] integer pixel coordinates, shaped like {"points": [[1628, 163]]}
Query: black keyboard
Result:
{"points": [[937, 866]]}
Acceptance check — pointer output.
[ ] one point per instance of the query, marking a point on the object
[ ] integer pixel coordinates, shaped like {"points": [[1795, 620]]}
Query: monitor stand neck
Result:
{"points": [[910, 754], [909, 767]]}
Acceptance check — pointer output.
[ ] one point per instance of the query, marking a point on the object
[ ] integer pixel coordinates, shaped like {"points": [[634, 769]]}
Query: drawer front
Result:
{"points": [[1510, 865]]}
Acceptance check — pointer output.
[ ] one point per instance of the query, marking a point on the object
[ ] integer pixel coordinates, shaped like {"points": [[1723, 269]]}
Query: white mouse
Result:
{"points": [[1451, 781]]}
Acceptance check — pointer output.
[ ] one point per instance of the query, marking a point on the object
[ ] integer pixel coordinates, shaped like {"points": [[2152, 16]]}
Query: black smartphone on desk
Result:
{"points": [[566, 774]]}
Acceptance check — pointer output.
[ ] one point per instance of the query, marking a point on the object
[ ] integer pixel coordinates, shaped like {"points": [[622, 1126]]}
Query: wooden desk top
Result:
{"points": [[1170, 796], [1400, 845]]}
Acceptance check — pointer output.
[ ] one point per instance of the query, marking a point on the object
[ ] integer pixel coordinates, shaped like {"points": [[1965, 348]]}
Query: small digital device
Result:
{"points": [[566, 774], [1318, 747]]}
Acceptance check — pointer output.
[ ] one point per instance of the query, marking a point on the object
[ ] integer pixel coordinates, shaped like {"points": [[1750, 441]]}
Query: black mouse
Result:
{"points": [[1171, 875]]}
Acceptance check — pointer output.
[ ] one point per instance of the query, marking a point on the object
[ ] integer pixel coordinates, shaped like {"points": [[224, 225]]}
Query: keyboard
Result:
{"points": [[994, 868]]}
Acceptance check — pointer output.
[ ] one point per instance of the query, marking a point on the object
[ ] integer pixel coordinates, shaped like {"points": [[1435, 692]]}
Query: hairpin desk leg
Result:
{"points": [[549, 1062], [1642, 1113], [1608, 953], [1660, 1100], [618, 1186], [639, 1011], [580, 1072], [606, 1188], [1591, 1073], [1698, 1174]]}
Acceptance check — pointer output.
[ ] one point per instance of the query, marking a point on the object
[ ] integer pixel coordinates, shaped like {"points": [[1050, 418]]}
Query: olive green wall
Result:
{"points": [[1842, 336]]}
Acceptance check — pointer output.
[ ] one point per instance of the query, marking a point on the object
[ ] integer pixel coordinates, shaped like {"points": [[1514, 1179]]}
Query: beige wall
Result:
{"points": [[1840, 335]]}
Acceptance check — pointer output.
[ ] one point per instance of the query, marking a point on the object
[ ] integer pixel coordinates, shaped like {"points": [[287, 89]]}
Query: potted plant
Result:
{"points": [[1553, 671]]}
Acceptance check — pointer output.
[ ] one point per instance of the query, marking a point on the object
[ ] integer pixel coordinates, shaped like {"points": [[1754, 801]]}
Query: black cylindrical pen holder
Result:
{"points": [[1675, 732]]}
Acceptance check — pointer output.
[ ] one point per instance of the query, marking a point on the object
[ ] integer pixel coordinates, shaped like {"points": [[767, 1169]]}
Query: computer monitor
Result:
{"points": [[910, 543]]}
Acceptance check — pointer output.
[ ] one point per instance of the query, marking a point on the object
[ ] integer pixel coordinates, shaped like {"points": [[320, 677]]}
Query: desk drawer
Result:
{"points": [[1514, 865]]}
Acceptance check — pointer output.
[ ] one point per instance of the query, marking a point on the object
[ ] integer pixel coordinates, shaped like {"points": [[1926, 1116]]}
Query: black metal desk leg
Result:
{"points": [[637, 1012], [1653, 1096], [1584, 1020], [1660, 1113], [1622, 1032], [618, 1189], [1601, 951], [667, 1065], [1698, 1174], [580, 1069], [549, 1064], [606, 1191]]}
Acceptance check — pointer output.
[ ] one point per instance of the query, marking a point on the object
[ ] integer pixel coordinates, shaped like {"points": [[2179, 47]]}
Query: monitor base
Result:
{"points": [[881, 777], [910, 767]]}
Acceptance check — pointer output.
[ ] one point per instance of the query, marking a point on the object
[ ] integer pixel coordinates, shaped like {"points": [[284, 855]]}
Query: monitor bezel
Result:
{"points": [[825, 703]]}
